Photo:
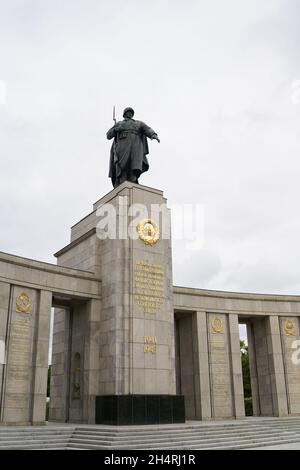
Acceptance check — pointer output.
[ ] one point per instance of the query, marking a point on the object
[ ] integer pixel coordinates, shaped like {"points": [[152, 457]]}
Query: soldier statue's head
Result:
{"points": [[128, 112]]}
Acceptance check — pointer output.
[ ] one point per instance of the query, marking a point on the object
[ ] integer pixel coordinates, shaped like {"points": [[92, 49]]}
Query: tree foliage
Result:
{"points": [[246, 378]]}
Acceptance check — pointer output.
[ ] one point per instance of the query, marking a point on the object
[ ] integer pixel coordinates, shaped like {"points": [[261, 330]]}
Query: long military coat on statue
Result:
{"points": [[129, 149]]}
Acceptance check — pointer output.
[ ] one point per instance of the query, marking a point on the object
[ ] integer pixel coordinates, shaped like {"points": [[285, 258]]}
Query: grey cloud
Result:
{"points": [[280, 32], [195, 269], [213, 88]]}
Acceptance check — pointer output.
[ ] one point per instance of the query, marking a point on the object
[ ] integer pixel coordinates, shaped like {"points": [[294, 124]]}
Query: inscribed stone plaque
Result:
{"points": [[149, 291]]}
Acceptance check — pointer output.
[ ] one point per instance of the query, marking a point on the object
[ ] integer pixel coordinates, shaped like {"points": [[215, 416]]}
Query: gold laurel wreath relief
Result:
{"points": [[23, 303], [290, 328], [217, 325], [148, 232]]}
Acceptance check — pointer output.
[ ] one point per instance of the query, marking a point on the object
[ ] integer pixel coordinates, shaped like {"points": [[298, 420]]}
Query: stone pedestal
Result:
{"points": [[137, 320], [132, 334]]}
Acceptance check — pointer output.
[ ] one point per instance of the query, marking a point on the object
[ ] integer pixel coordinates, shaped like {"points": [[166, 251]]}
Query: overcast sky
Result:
{"points": [[220, 83]]}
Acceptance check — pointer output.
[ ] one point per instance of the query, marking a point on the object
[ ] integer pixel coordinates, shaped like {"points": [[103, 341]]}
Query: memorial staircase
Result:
{"points": [[240, 434], [35, 437]]}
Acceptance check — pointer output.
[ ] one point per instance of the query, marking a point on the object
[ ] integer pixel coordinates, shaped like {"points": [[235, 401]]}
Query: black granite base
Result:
{"points": [[139, 409]]}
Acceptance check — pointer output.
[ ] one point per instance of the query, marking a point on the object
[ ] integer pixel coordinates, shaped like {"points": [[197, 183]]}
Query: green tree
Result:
{"points": [[246, 378]]}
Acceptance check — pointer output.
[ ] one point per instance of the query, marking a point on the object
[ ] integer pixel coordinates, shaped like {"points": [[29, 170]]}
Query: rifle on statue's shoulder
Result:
{"points": [[114, 143]]}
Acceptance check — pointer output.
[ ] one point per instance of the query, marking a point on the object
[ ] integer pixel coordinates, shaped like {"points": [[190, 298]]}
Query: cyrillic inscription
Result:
{"points": [[149, 288]]}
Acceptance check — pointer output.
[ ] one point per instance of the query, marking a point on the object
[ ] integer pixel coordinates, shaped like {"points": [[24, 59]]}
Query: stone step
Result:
{"points": [[196, 435], [45, 438], [35, 431], [238, 444], [166, 431], [35, 445], [6, 439], [199, 432], [16, 435], [172, 443], [244, 444], [262, 443], [157, 439], [137, 431], [73, 447], [38, 447], [196, 431], [34, 441]]}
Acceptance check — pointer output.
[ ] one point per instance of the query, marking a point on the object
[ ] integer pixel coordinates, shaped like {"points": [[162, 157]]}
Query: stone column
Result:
{"points": [[137, 319], [278, 386], [290, 335], [18, 377], [236, 366], [253, 370], [201, 367], [263, 366], [187, 369], [91, 360], [60, 373], [75, 363], [4, 306], [220, 366], [40, 358]]}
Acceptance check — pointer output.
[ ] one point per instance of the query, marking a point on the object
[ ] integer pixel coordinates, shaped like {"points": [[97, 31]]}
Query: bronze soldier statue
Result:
{"points": [[128, 155]]}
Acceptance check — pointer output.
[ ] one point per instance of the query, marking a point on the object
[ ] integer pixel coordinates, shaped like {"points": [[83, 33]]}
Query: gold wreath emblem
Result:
{"points": [[290, 328], [217, 325], [23, 304], [148, 232]]}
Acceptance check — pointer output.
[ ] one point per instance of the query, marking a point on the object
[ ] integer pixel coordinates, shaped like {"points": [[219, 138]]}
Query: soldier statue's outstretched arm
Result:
{"points": [[149, 132]]}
